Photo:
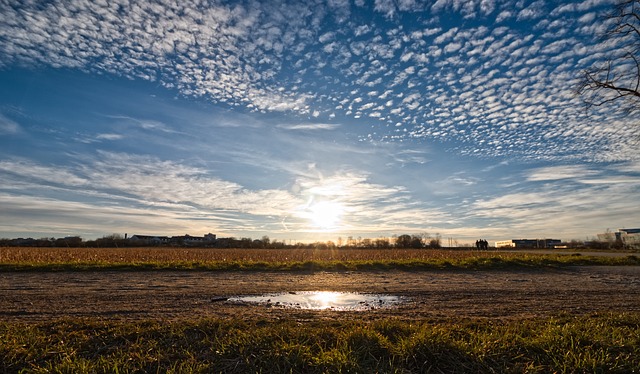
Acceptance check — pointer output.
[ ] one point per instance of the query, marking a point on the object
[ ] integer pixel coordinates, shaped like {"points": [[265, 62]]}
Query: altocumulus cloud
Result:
{"points": [[491, 78], [449, 116]]}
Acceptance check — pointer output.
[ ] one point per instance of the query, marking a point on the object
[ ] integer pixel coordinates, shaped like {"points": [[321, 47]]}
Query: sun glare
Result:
{"points": [[325, 299], [325, 215]]}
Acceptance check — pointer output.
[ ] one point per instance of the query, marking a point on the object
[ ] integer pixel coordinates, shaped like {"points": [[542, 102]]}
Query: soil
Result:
{"points": [[173, 295]]}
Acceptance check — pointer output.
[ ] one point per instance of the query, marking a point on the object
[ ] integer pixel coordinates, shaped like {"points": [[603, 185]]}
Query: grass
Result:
{"points": [[563, 344], [59, 259], [597, 343]]}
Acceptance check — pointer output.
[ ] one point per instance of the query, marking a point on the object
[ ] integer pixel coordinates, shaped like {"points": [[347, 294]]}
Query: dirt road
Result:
{"points": [[167, 295]]}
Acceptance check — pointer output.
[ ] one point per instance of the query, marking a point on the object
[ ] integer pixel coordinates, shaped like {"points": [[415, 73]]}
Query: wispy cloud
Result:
{"points": [[571, 199], [8, 126], [560, 172], [310, 126], [174, 191], [109, 136]]}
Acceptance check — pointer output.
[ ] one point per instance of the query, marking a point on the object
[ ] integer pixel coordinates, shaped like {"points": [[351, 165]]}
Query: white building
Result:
{"points": [[629, 237], [528, 243]]}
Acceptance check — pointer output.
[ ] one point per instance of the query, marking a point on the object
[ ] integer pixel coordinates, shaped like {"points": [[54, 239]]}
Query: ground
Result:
{"points": [[171, 295]]}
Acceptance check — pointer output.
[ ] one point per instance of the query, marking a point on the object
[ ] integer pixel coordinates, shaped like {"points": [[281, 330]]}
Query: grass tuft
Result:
{"points": [[596, 343]]}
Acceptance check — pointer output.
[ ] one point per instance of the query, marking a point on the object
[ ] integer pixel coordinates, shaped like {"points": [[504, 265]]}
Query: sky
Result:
{"points": [[310, 120]]}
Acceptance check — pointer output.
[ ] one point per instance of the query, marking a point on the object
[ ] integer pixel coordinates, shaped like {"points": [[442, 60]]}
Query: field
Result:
{"points": [[164, 310], [203, 255], [19, 258]]}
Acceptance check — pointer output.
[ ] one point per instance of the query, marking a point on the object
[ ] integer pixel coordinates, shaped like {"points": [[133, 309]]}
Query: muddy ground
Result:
{"points": [[171, 295]]}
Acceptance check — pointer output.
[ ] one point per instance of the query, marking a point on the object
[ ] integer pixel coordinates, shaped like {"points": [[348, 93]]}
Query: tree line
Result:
{"points": [[404, 241]]}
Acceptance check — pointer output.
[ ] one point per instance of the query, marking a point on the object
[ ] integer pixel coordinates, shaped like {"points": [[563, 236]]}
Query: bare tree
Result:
{"points": [[618, 78]]}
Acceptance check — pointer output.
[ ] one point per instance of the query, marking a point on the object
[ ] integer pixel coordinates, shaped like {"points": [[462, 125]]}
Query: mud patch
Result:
{"points": [[320, 300]]}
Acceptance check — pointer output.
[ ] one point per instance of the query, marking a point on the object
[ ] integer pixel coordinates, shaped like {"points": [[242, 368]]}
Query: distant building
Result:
{"points": [[149, 239], [191, 240], [629, 237], [528, 243], [182, 240], [609, 237]]}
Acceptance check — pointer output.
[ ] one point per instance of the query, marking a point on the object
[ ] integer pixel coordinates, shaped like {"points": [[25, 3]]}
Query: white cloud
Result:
{"points": [[310, 126], [444, 37], [8, 126], [22, 168], [533, 11], [109, 136], [274, 57], [560, 208], [504, 15], [559, 172], [385, 6], [144, 193]]}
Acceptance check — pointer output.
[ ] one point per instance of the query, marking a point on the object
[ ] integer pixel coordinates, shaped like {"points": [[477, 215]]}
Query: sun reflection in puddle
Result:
{"points": [[320, 300]]}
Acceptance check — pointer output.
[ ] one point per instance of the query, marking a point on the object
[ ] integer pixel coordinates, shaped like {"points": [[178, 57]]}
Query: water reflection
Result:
{"points": [[319, 300]]}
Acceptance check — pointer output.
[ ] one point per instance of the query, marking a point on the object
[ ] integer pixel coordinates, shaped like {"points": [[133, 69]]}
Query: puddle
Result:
{"points": [[319, 300]]}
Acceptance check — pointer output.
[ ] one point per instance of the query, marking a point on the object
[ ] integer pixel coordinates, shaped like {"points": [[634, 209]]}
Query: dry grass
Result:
{"points": [[150, 258], [16, 255]]}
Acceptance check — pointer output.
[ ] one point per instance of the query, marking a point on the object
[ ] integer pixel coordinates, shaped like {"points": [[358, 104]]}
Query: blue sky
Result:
{"points": [[309, 120]]}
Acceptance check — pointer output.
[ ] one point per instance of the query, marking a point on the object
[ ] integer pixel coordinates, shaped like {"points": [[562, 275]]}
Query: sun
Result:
{"points": [[325, 215]]}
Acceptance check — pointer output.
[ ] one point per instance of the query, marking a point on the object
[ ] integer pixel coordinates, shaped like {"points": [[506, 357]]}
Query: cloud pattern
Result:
{"points": [[487, 78], [162, 194]]}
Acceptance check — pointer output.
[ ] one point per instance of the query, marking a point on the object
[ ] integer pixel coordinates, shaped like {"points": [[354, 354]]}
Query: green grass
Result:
{"points": [[484, 262], [587, 344]]}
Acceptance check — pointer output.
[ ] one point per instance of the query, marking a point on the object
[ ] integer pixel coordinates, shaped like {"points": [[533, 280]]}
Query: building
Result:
{"points": [[193, 240], [528, 243], [149, 239], [629, 237], [608, 237], [623, 238], [176, 240]]}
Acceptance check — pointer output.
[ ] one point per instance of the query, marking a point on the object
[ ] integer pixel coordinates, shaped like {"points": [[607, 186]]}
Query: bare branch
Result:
{"points": [[618, 79]]}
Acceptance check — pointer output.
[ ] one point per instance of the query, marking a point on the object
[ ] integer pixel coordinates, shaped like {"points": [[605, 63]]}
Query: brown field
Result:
{"points": [[12, 255], [516, 292]]}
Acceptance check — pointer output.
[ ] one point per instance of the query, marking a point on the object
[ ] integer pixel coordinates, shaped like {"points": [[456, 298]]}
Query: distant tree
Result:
{"points": [[417, 241], [617, 80], [44, 242], [245, 243], [403, 241], [319, 245], [113, 240], [409, 241], [382, 243], [69, 241], [575, 243], [435, 242]]}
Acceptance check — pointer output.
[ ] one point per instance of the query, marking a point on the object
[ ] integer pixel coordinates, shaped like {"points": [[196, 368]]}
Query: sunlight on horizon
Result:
{"points": [[325, 208], [325, 216]]}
